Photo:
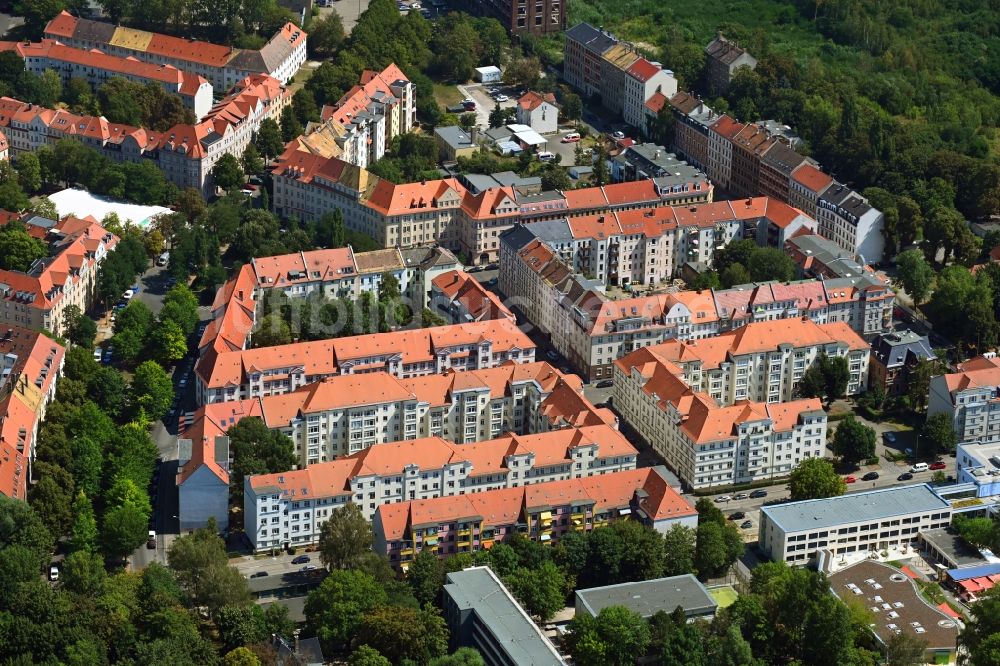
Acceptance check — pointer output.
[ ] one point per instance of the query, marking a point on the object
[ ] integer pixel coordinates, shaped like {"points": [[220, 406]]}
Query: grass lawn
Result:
{"points": [[724, 595], [447, 95]]}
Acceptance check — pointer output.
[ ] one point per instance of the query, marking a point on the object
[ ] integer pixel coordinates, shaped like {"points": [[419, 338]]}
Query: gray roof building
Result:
{"points": [[481, 613], [648, 160], [873, 505], [648, 597], [455, 137], [591, 38], [898, 348]]}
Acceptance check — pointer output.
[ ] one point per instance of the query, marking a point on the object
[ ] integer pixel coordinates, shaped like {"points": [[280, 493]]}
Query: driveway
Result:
{"points": [[484, 102], [349, 11]]}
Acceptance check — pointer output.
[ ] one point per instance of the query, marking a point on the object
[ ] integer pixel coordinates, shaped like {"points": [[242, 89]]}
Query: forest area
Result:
{"points": [[897, 99]]}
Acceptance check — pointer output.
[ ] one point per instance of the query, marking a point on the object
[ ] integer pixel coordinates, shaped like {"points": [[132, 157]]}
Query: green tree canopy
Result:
{"points": [[854, 441], [345, 538], [815, 478], [335, 609]]}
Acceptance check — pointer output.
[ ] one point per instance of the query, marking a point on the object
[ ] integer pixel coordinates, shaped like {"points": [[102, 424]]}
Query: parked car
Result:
{"points": [[572, 137], [492, 282], [605, 383], [905, 476], [551, 355], [723, 498], [301, 559], [849, 479], [889, 437], [546, 156], [618, 135], [757, 494], [259, 574], [128, 294], [746, 524], [738, 515], [938, 465], [502, 98], [151, 540], [308, 567], [53, 573], [870, 476], [97, 354], [740, 496]]}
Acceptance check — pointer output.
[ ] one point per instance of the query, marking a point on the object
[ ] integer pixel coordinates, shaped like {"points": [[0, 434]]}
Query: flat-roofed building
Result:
{"points": [[855, 523], [978, 463], [649, 597], [289, 508], [482, 614]]}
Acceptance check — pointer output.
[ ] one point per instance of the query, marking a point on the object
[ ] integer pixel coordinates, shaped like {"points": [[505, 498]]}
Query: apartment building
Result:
{"points": [[538, 111], [369, 115], [524, 17], [96, 68], [647, 161], [583, 49], [722, 59], [38, 297], [692, 120], [750, 145], [223, 66], [846, 217], [185, 153], [720, 149], [459, 298], [969, 397], [776, 168], [542, 512], [643, 79], [289, 508], [344, 414], [805, 186], [856, 523], [482, 614], [30, 366], [266, 371]]}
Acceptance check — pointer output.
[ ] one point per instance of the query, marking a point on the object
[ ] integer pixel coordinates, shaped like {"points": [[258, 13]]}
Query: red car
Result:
{"points": [[938, 465], [849, 479]]}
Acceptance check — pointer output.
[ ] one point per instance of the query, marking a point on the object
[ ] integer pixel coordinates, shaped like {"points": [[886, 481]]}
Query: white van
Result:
{"points": [[919, 467], [546, 156], [164, 258]]}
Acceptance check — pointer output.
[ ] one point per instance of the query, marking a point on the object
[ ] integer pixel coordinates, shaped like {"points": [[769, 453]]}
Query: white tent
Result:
{"points": [[489, 74], [82, 203]]}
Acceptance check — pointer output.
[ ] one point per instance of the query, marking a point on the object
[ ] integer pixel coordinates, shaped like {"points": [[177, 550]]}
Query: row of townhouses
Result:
{"points": [[542, 512], [265, 371], [289, 508], [96, 68], [723, 410], [223, 66], [185, 154], [596, 63], [447, 212], [37, 298], [30, 364], [759, 159], [591, 330], [344, 414]]}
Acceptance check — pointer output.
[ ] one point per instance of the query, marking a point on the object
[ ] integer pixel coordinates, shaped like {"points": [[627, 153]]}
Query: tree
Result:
{"points": [[616, 637], [83, 533], [123, 529], [915, 274], [37, 13], [905, 649], [425, 576], [29, 172], [401, 633], [979, 638], [335, 609], [83, 573], [542, 591], [497, 116], [168, 343], [326, 35], [227, 173], [678, 550], [83, 331], [268, 139], [854, 441], [290, 125], [241, 656], [735, 274], [938, 434], [815, 478], [241, 625], [251, 161], [151, 390], [367, 656], [717, 546], [345, 538], [919, 382], [202, 568], [465, 656], [52, 497], [272, 331], [190, 203], [572, 106], [18, 250], [181, 306], [256, 449], [770, 263]]}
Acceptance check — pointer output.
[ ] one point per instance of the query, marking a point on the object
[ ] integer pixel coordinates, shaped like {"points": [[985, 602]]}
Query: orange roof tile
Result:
{"points": [[811, 178]]}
